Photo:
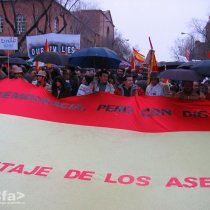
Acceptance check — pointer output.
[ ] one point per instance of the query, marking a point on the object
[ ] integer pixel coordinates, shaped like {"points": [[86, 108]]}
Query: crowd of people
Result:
{"points": [[74, 81]]}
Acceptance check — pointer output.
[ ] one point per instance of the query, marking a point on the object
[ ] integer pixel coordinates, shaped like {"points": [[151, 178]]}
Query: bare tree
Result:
{"points": [[11, 18], [41, 12], [179, 48], [122, 47], [197, 41]]}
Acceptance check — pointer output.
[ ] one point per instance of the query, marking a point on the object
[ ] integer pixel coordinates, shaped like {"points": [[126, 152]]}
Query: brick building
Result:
{"points": [[33, 17], [201, 49]]}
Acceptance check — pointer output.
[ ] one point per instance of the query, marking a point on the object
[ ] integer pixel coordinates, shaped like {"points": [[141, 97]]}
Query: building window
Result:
{"points": [[107, 32], [56, 25], [1, 23], [21, 24]]}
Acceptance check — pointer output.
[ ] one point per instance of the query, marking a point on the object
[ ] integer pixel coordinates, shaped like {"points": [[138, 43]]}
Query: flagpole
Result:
{"points": [[8, 69], [151, 61], [150, 43], [133, 60]]}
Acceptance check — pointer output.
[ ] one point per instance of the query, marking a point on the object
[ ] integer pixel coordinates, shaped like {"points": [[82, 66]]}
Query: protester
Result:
{"points": [[188, 92], [166, 86], [128, 88], [59, 90], [197, 88], [102, 84], [112, 80], [33, 75], [41, 80], [120, 74], [84, 88], [18, 73], [139, 74], [74, 80], [155, 88], [11, 71]]}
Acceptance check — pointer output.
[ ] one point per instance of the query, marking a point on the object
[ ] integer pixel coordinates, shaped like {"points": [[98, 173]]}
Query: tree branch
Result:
{"points": [[36, 23], [6, 17]]}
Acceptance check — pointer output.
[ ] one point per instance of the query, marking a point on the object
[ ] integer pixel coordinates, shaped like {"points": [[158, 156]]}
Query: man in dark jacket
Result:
{"points": [[128, 88]]}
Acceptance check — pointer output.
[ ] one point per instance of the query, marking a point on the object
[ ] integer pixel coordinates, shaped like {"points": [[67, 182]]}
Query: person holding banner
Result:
{"points": [[102, 84], [18, 73], [155, 88], [128, 88], [188, 92], [59, 90], [41, 80], [84, 88]]}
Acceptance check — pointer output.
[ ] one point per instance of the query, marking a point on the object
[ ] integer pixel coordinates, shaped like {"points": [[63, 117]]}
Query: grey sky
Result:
{"points": [[162, 20]]}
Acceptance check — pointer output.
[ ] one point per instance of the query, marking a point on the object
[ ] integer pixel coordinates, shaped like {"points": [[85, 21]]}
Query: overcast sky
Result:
{"points": [[162, 20]]}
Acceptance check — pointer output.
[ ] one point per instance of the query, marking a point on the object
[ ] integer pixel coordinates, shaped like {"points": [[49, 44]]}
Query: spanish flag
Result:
{"points": [[138, 56]]}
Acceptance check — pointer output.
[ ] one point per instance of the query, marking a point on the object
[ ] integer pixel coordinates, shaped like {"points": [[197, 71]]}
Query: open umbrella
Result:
{"points": [[95, 57], [202, 67], [52, 58], [187, 65], [20, 55], [16, 61], [181, 75], [169, 64]]}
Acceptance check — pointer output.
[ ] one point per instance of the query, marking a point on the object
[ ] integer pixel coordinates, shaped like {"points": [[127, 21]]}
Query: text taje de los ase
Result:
{"points": [[109, 178]]}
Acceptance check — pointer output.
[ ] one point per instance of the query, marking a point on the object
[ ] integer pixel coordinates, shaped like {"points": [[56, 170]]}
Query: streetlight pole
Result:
{"points": [[192, 44]]}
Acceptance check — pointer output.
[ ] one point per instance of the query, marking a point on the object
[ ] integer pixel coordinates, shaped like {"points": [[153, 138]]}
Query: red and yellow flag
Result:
{"points": [[46, 49], [46, 46], [136, 57], [153, 62]]}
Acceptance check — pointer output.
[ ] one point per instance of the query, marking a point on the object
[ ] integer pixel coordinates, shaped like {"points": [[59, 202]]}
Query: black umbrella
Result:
{"points": [[17, 61], [202, 67], [95, 57], [53, 58], [169, 64], [20, 55], [181, 75], [187, 65]]}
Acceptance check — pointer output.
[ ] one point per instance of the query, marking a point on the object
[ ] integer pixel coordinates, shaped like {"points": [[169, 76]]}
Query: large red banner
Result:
{"points": [[141, 113], [102, 151]]}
